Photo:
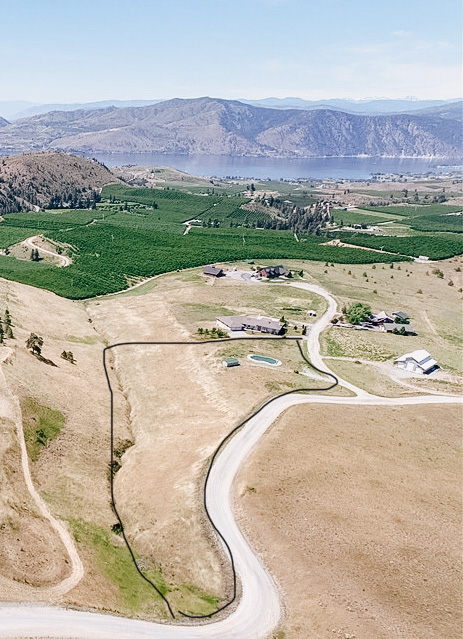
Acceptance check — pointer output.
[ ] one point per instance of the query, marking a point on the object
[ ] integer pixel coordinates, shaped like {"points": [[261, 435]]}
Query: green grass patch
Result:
{"points": [[349, 218], [332, 347], [136, 595], [116, 564], [90, 339], [41, 424]]}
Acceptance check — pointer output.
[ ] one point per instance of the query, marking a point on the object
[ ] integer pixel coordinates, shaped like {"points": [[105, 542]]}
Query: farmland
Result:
{"points": [[135, 233], [109, 254], [436, 247]]}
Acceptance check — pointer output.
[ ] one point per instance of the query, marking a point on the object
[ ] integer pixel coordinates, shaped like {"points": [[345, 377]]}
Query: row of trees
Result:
{"points": [[212, 333], [74, 199]]}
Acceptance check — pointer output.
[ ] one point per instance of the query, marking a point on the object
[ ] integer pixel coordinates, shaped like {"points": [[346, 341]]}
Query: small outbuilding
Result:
{"points": [[401, 329], [228, 362], [401, 315], [213, 271], [419, 361]]}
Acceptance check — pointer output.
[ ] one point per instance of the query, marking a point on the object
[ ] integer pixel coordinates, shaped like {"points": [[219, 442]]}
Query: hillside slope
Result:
{"points": [[225, 127], [42, 179]]}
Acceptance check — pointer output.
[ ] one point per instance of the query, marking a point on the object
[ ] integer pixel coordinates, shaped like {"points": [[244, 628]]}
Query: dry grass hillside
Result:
{"points": [[34, 179], [357, 513], [173, 405]]}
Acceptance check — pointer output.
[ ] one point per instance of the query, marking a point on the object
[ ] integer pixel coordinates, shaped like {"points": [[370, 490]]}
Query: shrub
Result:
{"points": [[358, 312]]}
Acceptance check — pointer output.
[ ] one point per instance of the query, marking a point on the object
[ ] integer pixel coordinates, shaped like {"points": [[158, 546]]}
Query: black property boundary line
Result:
{"points": [[214, 456]]}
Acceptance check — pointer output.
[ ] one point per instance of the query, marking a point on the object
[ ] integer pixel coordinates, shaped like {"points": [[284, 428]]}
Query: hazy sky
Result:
{"points": [[86, 50]]}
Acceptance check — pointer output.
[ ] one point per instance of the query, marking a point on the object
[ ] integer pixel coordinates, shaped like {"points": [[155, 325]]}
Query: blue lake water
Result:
{"points": [[357, 168]]}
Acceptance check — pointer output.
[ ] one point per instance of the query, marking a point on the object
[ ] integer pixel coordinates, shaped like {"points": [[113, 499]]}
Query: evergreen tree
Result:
{"points": [[34, 343]]}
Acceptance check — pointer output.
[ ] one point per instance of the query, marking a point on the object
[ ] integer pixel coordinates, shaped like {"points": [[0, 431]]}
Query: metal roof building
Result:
{"points": [[419, 361]]}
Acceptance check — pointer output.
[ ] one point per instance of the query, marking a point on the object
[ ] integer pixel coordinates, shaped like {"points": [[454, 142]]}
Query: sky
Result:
{"points": [[89, 50]]}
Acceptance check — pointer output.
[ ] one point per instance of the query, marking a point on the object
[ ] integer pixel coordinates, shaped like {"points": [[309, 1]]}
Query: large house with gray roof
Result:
{"points": [[245, 323]]}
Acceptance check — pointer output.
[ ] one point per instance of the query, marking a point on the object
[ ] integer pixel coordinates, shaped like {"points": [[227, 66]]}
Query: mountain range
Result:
{"points": [[227, 127], [15, 110]]}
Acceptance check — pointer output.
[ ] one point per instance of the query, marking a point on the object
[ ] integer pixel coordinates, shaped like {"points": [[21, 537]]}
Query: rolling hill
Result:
{"points": [[42, 179], [226, 127]]}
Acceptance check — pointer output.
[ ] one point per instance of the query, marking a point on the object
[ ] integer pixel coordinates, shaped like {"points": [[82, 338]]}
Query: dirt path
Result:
{"points": [[77, 569], [64, 260], [355, 246], [433, 330]]}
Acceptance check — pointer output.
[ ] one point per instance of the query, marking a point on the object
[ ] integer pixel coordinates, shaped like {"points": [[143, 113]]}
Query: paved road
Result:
{"points": [[259, 608]]}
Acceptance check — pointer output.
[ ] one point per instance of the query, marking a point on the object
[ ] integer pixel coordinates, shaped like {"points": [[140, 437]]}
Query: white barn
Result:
{"points": [[417, 362]]}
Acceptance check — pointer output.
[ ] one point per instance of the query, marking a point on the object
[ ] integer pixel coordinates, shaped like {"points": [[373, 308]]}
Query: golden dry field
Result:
{"points": [[358, 516]]}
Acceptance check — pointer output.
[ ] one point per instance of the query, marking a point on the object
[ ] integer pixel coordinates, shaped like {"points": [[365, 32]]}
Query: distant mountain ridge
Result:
{"points": [[227, 127], [367, 107], [14, 110]]}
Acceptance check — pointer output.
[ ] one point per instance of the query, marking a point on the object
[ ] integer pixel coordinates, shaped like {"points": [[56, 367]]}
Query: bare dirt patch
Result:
{"points": [[359, 517]]}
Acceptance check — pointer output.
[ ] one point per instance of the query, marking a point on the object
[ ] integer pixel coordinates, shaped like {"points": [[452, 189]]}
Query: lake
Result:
{"points": [[353, 168]]}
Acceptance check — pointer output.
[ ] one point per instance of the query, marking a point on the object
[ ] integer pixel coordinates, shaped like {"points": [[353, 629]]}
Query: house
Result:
{"points": [[401, 315], [214, 271], [403, 329], [244, 323], [228, 362], [417, 362], [273, 271], [381, 318]]}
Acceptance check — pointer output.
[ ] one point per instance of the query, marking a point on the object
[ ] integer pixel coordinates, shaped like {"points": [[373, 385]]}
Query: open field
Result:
{"points": [[358, 516], [434, 308]]}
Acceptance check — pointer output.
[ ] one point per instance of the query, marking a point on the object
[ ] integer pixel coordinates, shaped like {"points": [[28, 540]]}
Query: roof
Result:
{"points": [[264, 322], [390, 328], [212, 270], [243, 321], [276, 270], [231, 360], [401, 314], [232, 321], [382, 315], [421, 357]]}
